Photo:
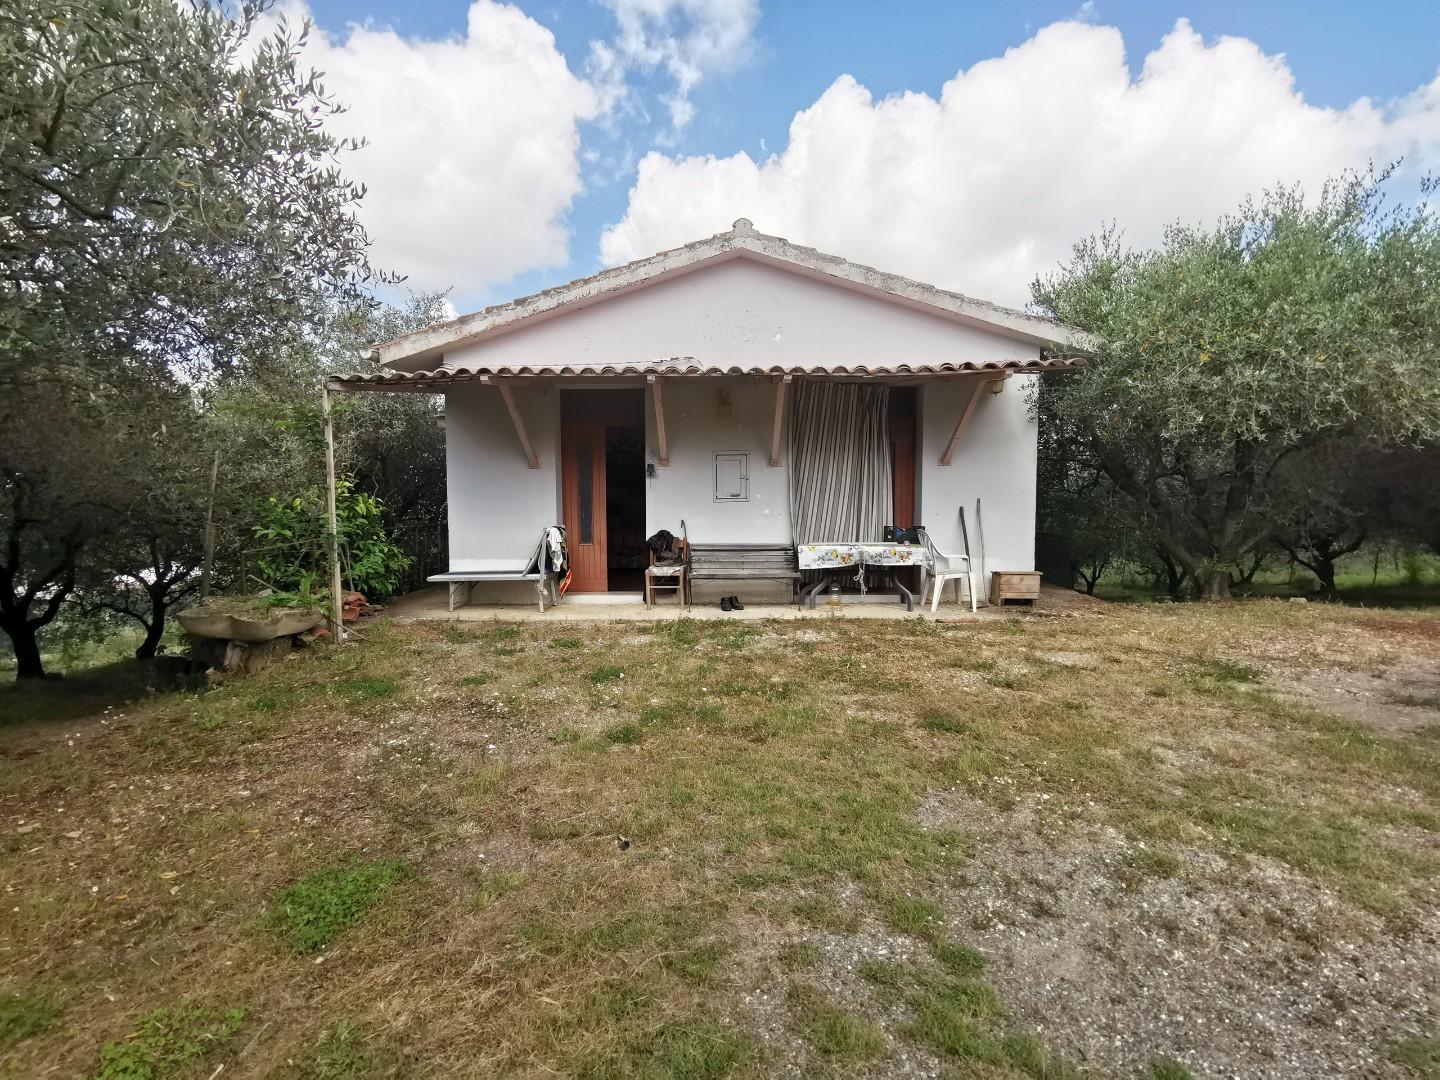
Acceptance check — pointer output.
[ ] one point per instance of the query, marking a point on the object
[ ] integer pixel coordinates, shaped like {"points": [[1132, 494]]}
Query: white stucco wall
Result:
{"points": [[697, 431], [498, 504], [994, 462], [746, 313]]}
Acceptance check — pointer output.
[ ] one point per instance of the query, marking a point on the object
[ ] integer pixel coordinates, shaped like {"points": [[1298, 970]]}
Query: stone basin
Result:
{"points": [[249, 628]]}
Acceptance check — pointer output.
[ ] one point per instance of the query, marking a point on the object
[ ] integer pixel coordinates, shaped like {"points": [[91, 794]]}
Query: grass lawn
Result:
{"points": [[1145, 842]]}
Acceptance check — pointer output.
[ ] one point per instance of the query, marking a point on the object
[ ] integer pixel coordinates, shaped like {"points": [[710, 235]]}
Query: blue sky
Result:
{"points": [[791, 54]]}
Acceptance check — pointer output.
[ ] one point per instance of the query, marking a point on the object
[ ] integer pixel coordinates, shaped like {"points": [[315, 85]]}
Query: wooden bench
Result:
{"points": [[742, 562]]}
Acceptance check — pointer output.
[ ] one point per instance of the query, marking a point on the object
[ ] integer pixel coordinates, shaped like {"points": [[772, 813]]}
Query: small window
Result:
{"points": [[732, 477], [586, 495]]}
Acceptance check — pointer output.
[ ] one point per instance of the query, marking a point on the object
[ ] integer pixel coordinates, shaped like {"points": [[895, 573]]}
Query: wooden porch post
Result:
{"points": [[337, 606]]}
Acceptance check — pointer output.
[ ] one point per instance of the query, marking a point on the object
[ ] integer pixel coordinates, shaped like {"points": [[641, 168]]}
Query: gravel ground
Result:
{"points": [[1240, 969]]}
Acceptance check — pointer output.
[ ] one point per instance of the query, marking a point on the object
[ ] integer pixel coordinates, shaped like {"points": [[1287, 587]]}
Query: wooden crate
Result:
{"points": [[1014, 586]]}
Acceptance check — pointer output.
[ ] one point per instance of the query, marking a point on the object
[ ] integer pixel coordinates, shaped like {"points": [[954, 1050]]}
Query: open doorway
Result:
{"points": [[602, 436]]}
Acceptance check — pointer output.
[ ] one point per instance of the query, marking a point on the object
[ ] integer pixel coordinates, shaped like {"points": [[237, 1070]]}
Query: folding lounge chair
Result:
{"points": [[536, 568]]}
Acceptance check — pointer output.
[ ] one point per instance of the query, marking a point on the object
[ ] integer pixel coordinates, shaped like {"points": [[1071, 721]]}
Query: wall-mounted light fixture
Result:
{"points": [[997, 385]]}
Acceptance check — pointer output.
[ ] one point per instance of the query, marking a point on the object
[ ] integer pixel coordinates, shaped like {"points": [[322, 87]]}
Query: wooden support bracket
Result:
{"points": [[508, 396], [780, 384], [662, 443], [976, 389]]}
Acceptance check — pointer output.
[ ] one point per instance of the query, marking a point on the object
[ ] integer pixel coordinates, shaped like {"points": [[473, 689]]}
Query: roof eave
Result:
{"points": [[687, 367]]}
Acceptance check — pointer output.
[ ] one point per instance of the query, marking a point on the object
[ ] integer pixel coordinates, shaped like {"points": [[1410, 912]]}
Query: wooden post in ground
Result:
{"points": [[210, 532], [337, 606]]}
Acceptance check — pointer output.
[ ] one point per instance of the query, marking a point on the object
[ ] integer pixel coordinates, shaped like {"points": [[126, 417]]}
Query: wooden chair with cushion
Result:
{"points": [[662, 576]]}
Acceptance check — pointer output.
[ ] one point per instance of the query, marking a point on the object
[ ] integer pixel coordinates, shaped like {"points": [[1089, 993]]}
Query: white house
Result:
{"points": [[757, 390]]}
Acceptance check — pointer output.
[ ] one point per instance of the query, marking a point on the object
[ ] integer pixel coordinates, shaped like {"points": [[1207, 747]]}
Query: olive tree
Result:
{"points": [[171, 204], [1226, 350]]}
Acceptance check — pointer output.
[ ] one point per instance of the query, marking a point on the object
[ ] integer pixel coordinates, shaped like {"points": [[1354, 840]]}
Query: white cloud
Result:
{"points": [[1023, 154], [687, 39], [474, 152]]}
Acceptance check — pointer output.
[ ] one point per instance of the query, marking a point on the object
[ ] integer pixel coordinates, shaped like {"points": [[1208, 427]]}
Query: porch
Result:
{"points": [[431, 605]]}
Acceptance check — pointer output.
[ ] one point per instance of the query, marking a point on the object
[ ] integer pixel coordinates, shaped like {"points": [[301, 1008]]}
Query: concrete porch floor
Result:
{"points": [[429, 605]]}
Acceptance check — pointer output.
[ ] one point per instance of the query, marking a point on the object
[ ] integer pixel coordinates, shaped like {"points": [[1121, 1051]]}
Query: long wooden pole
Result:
{"points": [[209, 567], [337, 607]]}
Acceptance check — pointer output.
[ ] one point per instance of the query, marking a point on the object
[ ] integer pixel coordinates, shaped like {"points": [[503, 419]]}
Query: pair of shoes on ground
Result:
{"points": [[731, 603]]}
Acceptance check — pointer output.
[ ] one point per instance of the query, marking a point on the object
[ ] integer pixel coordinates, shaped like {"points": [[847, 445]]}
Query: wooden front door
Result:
{"points": [[582, 482], [902, 456]]}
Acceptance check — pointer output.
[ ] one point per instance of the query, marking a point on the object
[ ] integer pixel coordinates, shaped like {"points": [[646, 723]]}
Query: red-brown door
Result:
{"points": [[582, 483], [902, 455]]}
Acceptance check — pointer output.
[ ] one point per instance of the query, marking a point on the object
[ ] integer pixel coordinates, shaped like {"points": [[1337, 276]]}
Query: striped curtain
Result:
{"points": [[840, 469]]}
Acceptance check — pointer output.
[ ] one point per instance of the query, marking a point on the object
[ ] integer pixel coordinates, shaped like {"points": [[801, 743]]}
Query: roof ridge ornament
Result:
{"points": [[743, 227]]}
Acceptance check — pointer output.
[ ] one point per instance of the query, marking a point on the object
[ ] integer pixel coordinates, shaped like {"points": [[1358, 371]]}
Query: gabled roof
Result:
{"points": [[741, 241]]}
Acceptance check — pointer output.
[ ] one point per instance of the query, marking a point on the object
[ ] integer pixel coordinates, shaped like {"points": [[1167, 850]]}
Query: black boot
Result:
{"points": [[735, 604], [725, 603]]}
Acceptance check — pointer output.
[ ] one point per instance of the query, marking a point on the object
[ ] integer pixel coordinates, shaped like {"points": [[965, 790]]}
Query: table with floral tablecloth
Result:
{"points": [[841, 556], [833, 556]]}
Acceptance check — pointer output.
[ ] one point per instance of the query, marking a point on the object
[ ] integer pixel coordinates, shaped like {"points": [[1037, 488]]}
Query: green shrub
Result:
{"points": [[295, 538]]}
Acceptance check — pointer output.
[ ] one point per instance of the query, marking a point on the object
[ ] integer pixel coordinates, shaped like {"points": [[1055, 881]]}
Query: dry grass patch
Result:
{"points": [[614, 844]]}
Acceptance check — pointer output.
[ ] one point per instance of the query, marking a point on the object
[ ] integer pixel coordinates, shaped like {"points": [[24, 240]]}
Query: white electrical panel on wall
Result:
{"points": [[732, 477]]}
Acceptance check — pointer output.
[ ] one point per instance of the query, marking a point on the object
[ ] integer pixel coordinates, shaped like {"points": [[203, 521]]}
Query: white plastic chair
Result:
{"points": [[946, 568]]}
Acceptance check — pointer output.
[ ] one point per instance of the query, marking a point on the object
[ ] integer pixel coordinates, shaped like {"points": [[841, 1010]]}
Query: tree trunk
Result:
{"points": [[1216, 585], [154, 631], [1173, 574], [1248, 578], [155, 625], [23, 641]]}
